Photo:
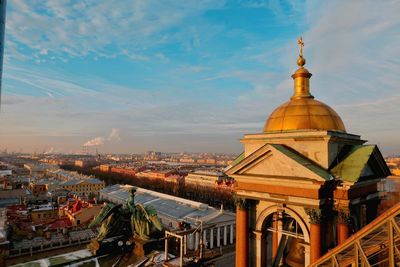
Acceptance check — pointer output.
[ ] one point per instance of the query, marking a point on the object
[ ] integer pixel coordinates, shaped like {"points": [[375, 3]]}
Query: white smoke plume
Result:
{"points": [[98, 141], [114, 135], [51, 150]]}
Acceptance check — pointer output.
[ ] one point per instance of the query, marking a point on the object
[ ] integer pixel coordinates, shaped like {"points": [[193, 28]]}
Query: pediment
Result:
{"points": [[274, 160]]}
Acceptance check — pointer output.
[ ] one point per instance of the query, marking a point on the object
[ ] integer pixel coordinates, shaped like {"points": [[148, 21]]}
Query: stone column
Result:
{"points": [[212, 238], [225, 235], [241, 233], [191, 241], [196, 241], [185, 244], [218, 236], [231, 234], [205, 238], [343, 230], [315, 234]]}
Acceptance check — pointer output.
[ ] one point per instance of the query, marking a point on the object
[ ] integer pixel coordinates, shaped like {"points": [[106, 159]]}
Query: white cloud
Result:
{"points": [[115, 135], [353, 54], [78, 29], [351, 49]]}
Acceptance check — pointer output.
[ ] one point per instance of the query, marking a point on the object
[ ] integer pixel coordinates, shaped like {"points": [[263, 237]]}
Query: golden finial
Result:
{"points": [[301, 61], [301, 44], [301, 76]]}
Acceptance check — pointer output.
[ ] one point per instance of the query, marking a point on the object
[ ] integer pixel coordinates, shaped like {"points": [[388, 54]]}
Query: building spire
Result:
{"points": [[301, 61], [301, 77]]}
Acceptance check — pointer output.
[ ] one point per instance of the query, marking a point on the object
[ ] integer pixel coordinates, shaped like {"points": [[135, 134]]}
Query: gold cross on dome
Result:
{"points": [[301, 44]]}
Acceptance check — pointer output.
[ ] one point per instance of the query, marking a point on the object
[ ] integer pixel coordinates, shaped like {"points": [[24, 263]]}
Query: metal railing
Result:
{"points": [[377, 244]]}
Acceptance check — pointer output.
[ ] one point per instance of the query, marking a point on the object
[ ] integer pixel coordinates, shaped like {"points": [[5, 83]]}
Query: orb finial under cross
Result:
{"points": [[301, 61]]}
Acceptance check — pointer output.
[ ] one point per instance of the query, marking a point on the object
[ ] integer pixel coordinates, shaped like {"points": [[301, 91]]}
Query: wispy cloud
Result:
{"points": [[179, 74], [115, 135], [129, 27]]}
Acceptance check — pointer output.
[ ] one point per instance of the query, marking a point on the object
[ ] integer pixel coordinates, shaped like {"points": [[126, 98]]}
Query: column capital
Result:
{"points": [[315, 215], [240, 202], [343, 216]]}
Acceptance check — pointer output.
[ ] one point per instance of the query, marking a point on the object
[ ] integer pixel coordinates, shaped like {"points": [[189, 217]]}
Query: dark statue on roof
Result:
{"points": [[130, 224]]}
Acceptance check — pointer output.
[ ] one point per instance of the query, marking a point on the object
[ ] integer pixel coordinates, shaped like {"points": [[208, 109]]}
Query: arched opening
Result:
{"points": [[283, 240]]}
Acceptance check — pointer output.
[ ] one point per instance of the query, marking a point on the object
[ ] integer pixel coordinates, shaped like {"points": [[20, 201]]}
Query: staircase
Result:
{"points": [[377, 244]]}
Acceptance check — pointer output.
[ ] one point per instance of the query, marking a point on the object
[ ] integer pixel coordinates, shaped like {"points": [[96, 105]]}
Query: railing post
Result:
{"points": [[181, 252], [356, 256], [166, 247], [391, 250]]}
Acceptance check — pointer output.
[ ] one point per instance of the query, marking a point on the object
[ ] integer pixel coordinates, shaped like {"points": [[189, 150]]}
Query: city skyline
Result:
{"points": [[190, 76]]}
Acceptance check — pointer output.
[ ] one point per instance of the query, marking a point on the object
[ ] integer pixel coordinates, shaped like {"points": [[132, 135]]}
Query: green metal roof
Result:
{"points": [[312, 166], [351, 167], [237, 160]]}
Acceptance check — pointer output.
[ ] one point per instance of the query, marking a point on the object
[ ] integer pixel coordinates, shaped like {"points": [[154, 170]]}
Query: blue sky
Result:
{"points": [[174, 75]]}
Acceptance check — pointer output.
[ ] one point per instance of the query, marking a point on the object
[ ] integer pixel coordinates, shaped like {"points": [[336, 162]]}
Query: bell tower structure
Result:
{"points": [[304, 184]]}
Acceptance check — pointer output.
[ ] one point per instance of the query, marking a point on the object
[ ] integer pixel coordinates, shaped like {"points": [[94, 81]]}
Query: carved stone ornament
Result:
{"points": [[343, 216], [240, 202], [315, 215]]}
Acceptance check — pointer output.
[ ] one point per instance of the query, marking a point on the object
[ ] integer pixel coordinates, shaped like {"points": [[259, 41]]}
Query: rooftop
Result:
{"points": [[170, 206]]}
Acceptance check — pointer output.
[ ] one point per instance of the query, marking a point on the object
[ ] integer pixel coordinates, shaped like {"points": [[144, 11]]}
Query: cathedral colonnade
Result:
{"points": [[214, 237]]}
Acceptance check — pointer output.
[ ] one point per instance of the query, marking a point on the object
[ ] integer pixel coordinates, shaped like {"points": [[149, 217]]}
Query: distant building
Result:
{"points": [[44, 214], [59, 195], [5, 183], [187, 160], [105, 167], [124, 171], [80, 212], [13, 195], [84, 186], [66, 175], [204, 178], [162, 174], [38, 170], [175, 179], [5, 172], [38, 188], [86, 162], [218, 224], [152, 155], [80, 163]]}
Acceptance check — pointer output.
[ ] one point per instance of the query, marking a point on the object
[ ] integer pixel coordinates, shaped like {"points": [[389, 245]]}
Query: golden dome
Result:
{"points": [[303, 112]]}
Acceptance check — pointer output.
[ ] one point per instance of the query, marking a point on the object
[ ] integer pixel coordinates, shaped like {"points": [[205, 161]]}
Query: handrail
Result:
{"points": [[378, 222]]}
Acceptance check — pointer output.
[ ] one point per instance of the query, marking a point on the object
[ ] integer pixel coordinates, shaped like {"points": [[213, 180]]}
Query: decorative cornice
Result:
{"points": [[315, 215]]}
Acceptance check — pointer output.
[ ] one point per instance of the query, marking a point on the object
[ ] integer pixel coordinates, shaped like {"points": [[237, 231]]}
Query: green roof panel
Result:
{"points": [[351, 167], [237, 160]]}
